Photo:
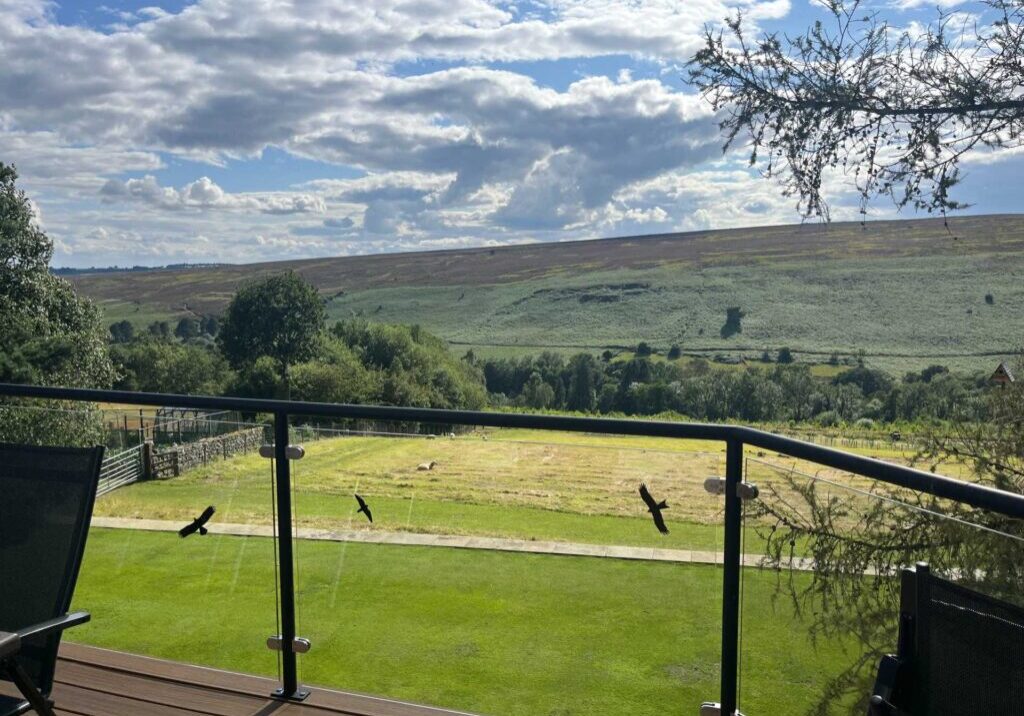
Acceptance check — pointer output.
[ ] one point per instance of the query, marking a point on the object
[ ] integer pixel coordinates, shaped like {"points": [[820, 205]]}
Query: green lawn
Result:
{"points": [[490, 632], [494, 633], [518, 484]]}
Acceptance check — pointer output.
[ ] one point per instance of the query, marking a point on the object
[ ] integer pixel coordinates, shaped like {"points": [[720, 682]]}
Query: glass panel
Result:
{"points": [[509, 571], [207, 599], [821, 589]]}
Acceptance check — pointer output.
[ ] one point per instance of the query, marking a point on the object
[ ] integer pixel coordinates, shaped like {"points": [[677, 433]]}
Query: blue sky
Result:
{"points": [[158, 132]]}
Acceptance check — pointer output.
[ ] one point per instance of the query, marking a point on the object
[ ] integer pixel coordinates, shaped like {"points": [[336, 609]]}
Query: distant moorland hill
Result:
{"points": [[903, 293]]}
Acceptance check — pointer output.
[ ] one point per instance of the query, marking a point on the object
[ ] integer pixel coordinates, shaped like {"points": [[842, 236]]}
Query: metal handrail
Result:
{"points": [[735, 438]]}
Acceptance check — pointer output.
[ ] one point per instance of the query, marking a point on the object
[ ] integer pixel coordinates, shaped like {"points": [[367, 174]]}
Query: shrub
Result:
{"points": [[733, 322], [187, 329], [122, 332], [828, 419]]}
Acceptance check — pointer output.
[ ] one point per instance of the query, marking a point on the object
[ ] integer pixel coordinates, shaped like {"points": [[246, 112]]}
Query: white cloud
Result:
{"points": [[465, 154], [205, 194], [916, 4]]}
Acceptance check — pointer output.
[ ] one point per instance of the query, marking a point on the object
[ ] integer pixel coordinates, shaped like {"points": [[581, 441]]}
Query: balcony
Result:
{"points": [[511, 567], [101, 682]]}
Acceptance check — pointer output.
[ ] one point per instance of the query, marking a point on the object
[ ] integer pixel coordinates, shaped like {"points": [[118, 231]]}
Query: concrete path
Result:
{"points": [[416, 539]]}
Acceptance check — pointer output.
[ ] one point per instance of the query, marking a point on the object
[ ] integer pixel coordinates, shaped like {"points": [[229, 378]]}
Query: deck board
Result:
{"points": [[99, 682]]}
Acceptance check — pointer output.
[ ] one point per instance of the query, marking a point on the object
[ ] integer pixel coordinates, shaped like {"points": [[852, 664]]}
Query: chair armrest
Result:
{"points": [[58, 624], [10, 644]]}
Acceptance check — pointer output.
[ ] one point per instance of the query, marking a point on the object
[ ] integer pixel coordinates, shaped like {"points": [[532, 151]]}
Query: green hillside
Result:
{"points": [[907, 293]]}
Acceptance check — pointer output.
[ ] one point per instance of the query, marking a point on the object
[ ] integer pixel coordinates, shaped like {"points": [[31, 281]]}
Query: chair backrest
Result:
{"points": [[961, 652], [46, 502]]}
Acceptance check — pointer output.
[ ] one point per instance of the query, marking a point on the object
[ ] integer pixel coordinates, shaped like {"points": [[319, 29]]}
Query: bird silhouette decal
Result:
{"points": [[364, 508], [654, 508], [199, 523]]}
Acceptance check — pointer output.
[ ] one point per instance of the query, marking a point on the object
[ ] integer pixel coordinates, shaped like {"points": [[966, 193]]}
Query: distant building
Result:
{"points": [[1002, 375]]}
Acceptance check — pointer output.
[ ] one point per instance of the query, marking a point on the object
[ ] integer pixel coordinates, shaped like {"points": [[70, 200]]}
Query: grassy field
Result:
{"points": [[892, 308], [517, 483], [494, 633], [486, 631], [906, 293]]}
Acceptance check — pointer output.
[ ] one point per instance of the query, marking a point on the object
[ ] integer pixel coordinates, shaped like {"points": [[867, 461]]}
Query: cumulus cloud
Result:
{"points": [[447, 148], [205, 194]]}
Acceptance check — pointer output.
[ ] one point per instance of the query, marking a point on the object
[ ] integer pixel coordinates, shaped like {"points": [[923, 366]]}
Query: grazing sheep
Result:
{"points": [[426, 465]]}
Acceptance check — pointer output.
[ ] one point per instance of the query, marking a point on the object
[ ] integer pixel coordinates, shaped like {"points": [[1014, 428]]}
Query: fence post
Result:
{"points": [[147, 460], [731, 575], [282, 485]]}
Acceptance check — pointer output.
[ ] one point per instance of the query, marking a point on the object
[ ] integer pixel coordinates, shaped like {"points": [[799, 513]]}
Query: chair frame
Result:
{"points": [[899, 689], [36, 697]]}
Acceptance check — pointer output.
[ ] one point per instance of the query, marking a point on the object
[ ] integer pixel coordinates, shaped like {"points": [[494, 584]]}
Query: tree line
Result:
{"points": [[698, 390]]}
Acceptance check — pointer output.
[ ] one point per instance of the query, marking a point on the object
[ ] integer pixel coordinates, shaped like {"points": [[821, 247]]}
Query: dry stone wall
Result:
{"points": [[202, 452]]}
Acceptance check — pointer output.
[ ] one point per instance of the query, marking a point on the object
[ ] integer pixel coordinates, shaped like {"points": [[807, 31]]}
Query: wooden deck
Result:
{"points": [[99, 682]]}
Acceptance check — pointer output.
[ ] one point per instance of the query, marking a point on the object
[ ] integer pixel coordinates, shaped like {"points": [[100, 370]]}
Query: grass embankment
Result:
{"points": [[904, 293], [489, 632]]}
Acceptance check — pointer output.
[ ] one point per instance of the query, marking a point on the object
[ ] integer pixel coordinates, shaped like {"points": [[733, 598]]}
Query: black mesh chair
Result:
{"points": [[960, 653], [46, 501]]}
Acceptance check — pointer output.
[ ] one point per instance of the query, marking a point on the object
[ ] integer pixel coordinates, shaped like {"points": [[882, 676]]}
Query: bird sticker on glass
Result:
{"points": [[655, 508], [364, 508], [198, 524]]}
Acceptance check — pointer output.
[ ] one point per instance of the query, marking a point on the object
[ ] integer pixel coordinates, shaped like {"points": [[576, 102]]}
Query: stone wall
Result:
{"points": [[202, 452]]}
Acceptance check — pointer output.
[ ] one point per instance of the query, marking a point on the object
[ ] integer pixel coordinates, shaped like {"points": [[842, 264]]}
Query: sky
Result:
{"points": [[257, 130]]}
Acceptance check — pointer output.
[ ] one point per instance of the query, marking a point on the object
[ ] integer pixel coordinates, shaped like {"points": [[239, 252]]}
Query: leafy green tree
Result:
{"points": [[279, 317], [643, 349], [412, 366], [870, 381], [536, 393], [161, 330], [169, 367], [584, 375], [122, 332], [785, 356], [260, 379], [187, 328], [675, 352], [48, 335], [334, 383], [209, 326]]}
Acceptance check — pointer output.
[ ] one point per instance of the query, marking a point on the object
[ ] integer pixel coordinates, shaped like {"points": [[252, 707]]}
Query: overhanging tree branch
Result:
{"points": [[896, 111]]}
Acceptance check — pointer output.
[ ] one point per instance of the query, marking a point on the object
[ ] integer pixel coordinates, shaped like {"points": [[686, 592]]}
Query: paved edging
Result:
{"points": [[417, 539]]}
